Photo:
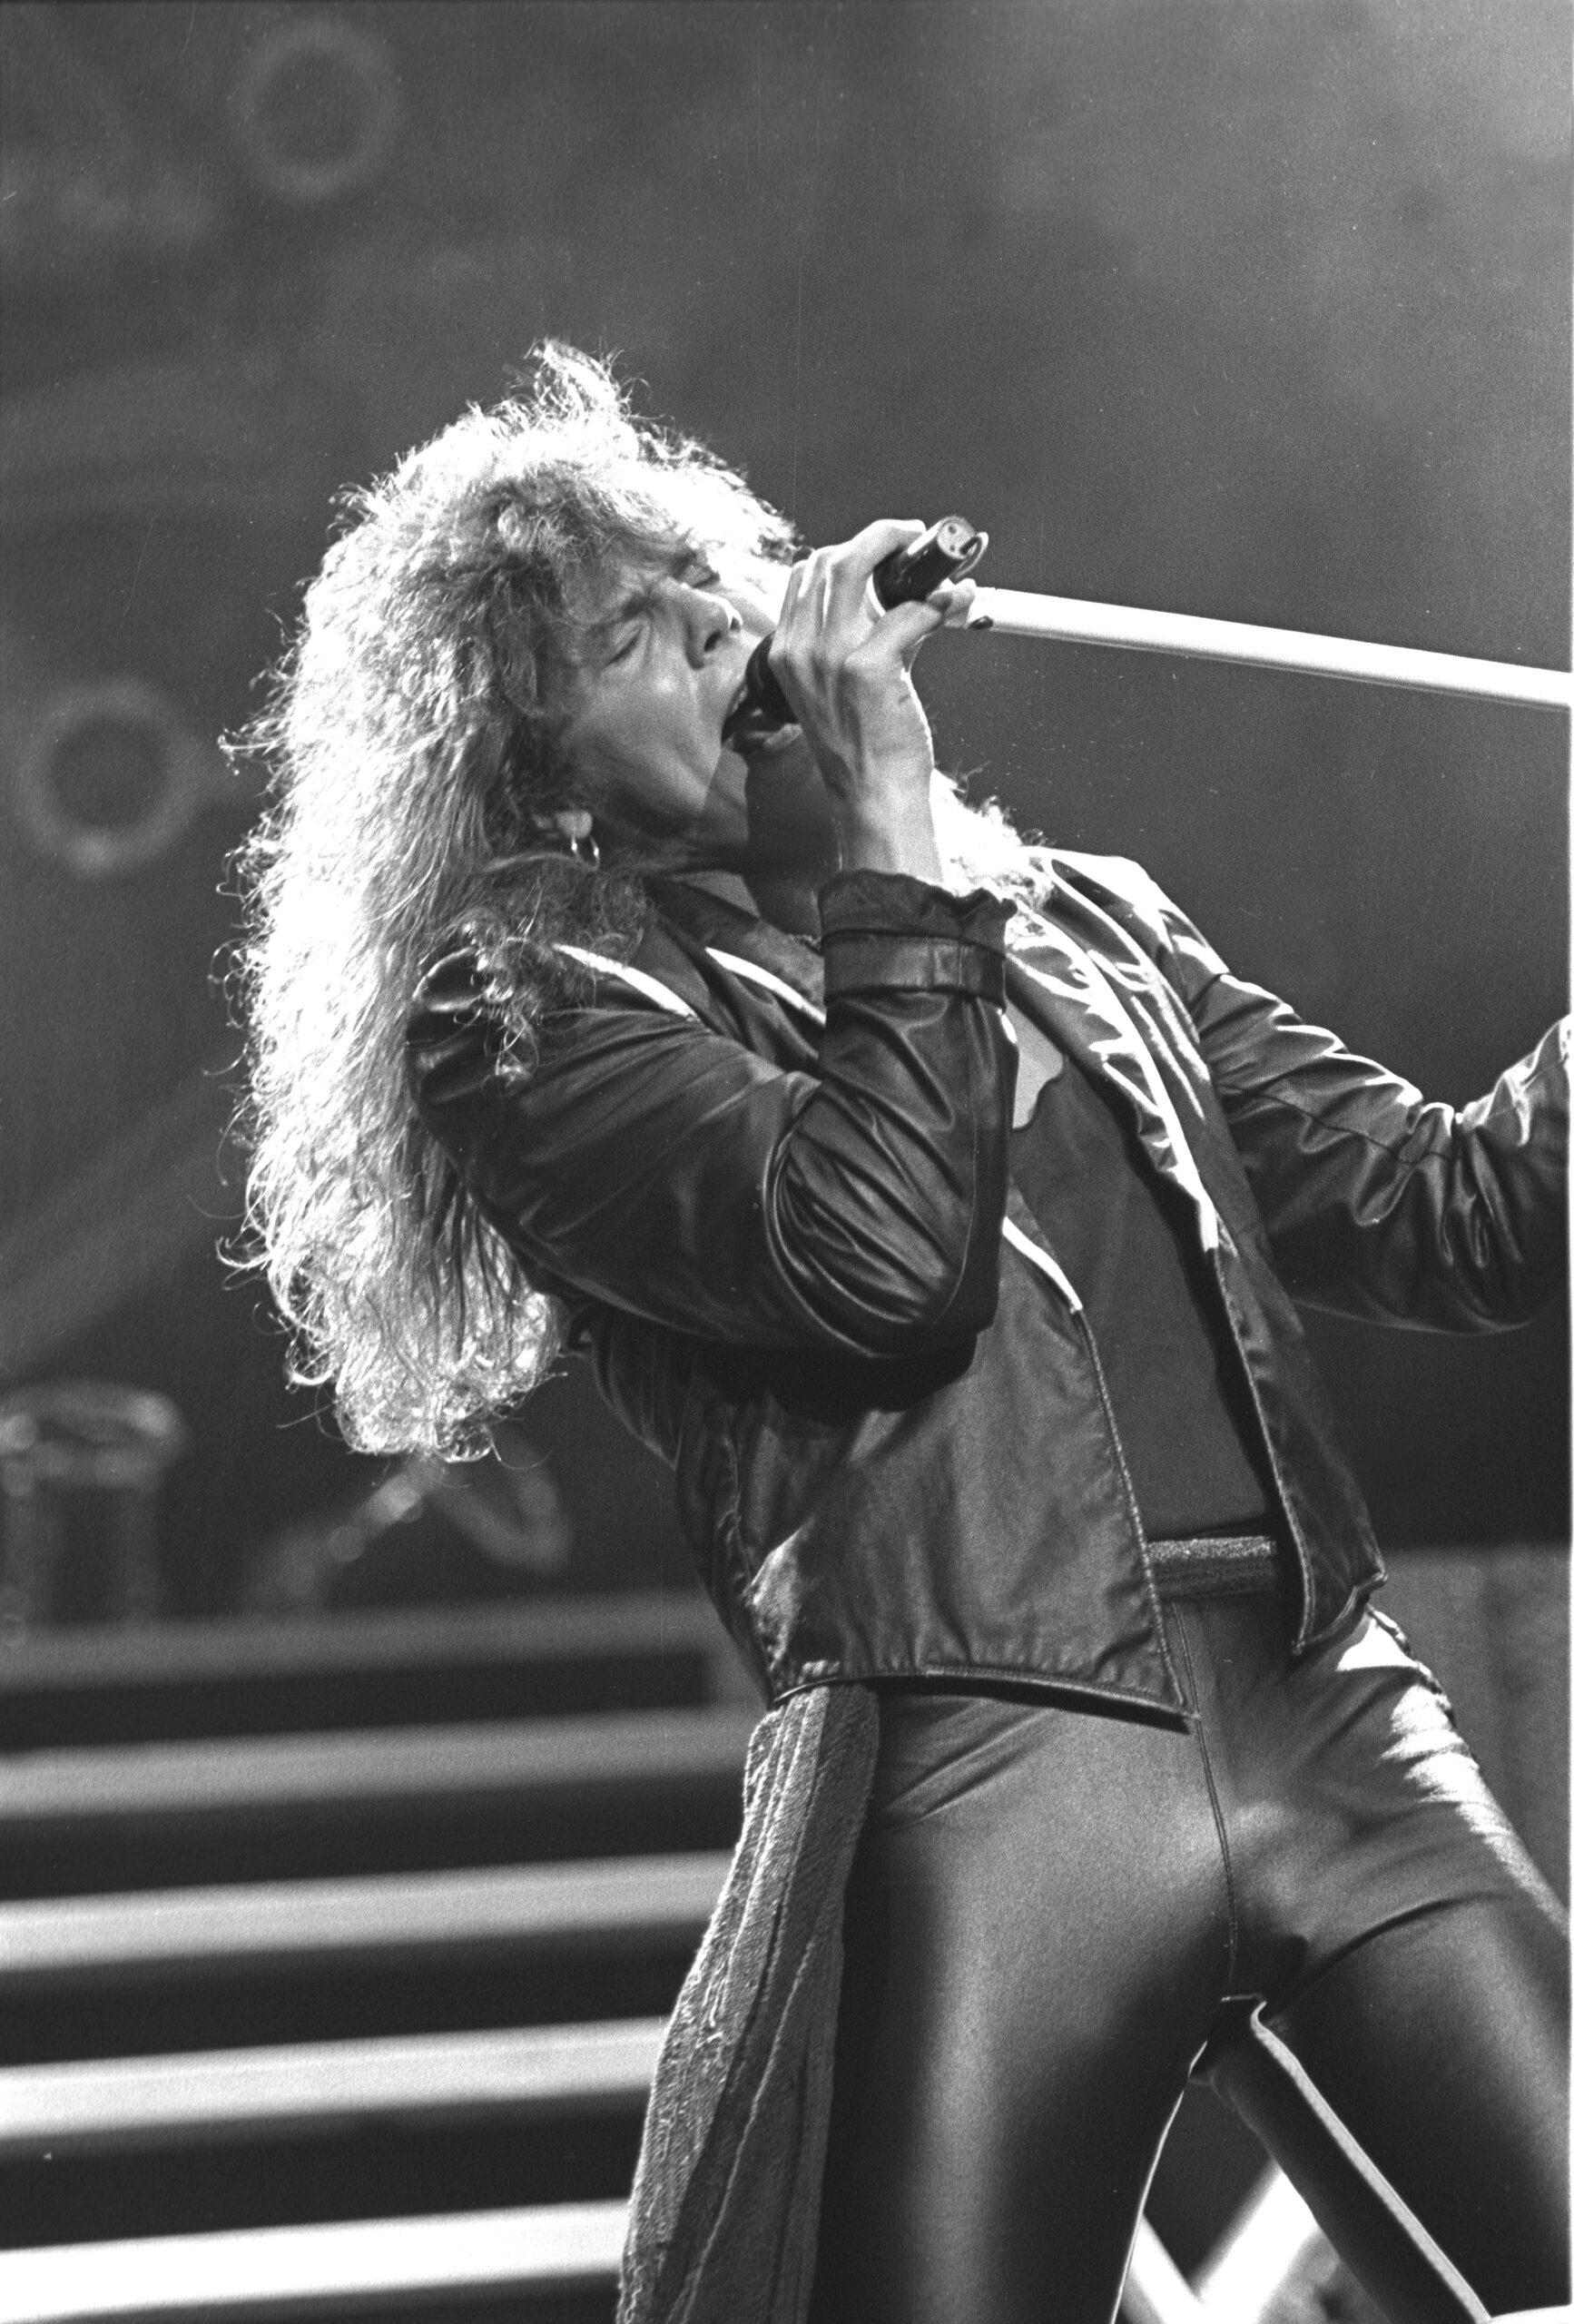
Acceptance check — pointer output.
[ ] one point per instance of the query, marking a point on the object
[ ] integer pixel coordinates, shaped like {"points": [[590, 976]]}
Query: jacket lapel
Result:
{"points": [[1071, 991]]}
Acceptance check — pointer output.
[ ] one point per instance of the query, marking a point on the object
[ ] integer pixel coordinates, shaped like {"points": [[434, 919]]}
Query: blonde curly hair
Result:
{"points": [[411, 744]]}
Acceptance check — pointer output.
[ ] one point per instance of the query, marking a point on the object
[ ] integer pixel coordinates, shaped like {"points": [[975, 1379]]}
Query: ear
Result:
{"points": [[570, 823]]}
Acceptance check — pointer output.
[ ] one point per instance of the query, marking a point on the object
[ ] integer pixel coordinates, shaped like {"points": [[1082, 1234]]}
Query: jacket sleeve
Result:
{"points": [[651, 1163], [1377, 1203]]}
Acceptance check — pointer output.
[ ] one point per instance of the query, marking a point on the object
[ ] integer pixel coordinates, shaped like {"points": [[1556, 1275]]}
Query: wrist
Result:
{"points": [[888, 835], [880, 931], [873, 848]]}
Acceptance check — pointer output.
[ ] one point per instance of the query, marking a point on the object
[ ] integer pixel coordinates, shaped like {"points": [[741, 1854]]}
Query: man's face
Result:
{"points": [[663, 662]]}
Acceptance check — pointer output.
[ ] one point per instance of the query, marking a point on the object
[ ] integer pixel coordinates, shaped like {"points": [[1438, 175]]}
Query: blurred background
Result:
{"points": [[1240, 309], [1250, 311], [1237, 309]]}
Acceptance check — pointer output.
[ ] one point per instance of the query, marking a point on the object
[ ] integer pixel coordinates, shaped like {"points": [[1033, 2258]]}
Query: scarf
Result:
{"points": [[723, 2222]]}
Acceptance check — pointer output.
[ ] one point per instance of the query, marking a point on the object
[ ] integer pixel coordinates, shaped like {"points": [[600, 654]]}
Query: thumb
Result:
{"points": [[903, 630]]}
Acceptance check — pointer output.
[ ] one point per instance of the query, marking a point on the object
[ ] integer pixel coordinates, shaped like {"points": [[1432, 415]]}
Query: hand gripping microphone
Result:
{"points": [[947, 552]]}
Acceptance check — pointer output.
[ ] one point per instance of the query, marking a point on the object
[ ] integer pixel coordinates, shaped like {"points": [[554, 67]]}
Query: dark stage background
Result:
{"points": [[1251, 310]]}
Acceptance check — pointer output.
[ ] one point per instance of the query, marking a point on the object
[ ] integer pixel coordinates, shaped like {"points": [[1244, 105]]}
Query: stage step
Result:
{"points": [[261, 2276], [377, 1772], [339, 2270], [322, 2088], [387, 1667], [302, 1927], [286, 1806]]}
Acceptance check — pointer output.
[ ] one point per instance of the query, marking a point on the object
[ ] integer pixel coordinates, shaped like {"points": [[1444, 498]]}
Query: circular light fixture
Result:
{"points": [[109, 777], [314, 110]]}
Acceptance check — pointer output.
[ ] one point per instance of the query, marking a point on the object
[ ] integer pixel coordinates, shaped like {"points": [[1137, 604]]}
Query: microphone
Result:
{"points": [[946, 552]]}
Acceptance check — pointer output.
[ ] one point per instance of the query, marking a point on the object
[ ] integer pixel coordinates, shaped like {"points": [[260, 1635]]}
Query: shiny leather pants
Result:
{"points": [[1050, 1905]]}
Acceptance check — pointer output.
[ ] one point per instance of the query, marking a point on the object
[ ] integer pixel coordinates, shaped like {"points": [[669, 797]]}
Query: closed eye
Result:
{"points": [[625, 628]]}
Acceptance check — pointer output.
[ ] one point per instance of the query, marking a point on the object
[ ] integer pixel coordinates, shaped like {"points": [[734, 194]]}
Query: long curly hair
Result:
{"points": [[411, 742]]}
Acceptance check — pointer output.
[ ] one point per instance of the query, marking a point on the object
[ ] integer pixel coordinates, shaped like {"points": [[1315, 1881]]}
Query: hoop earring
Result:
{"points": [[585, 849]]}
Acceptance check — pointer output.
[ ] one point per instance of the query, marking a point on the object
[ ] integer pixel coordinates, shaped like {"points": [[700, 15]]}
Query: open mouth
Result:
{"points": [[752, 744], [751, 731]]}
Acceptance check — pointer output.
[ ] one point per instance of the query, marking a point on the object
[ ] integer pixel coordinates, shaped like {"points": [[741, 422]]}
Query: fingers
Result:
{"points": [[842, 662], [829, 590], [902, 630], [861, 554], [831, 621], [898, 634], [955, 600], [835, 585]]}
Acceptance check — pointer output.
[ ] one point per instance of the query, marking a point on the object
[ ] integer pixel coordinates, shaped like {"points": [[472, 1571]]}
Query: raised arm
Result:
{"points": [[662, 1167], [1379, 1203]]}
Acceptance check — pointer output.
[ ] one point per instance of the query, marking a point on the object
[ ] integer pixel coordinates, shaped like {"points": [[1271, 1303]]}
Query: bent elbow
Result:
{"points": [[1508, 1248], [940, 1300], [886, 1282], [925, 1331], [969, 1301]]}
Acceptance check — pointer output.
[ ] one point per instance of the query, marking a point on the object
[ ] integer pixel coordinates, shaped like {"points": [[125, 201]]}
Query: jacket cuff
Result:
{"points": [[882, 929]]}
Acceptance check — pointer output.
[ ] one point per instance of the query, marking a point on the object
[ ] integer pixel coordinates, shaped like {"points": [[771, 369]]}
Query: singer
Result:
{"points": [[937, 1204]]}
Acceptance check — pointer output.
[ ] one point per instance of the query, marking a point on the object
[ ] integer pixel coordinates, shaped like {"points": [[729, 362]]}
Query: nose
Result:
{"points": [[708, 621]]}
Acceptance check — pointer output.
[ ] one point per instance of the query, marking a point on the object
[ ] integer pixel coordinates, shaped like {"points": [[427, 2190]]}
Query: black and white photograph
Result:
{"points": [[784, 1394]]}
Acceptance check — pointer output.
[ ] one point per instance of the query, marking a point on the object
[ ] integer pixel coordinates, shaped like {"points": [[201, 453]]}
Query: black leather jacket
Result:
{"points": [[774, 1191]]}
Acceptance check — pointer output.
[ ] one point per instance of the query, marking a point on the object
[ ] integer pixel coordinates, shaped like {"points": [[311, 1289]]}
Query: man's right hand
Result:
{"points": [[845, 665]]}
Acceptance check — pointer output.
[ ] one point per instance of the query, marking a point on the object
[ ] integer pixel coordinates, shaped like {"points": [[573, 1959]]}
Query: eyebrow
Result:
{"points": [[636, 602], [639, 600]]}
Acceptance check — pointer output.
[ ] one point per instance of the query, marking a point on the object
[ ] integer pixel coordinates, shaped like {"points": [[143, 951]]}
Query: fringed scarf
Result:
{"points": [[724, 2218]]}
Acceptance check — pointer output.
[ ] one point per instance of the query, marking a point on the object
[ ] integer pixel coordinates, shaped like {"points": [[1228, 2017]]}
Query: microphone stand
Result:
{"points": [[950, 549], [1079, 621]]}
